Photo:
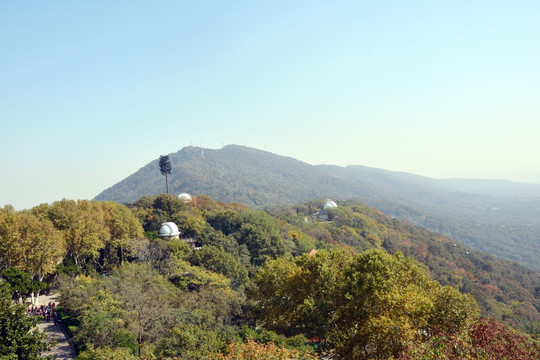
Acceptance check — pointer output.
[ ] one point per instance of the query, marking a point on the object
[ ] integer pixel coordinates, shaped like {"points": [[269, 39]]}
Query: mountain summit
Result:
{"points": [[235, 174]]}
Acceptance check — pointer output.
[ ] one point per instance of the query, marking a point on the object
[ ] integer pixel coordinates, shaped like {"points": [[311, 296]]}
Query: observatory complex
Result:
{"points": [[323, 213]]}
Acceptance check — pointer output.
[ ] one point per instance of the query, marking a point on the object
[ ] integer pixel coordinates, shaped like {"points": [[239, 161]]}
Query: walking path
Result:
{"points": [[64, 349]]}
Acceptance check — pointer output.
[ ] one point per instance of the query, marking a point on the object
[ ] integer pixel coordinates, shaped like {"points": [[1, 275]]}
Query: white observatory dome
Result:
{"points": [[329, 204], [169, 229], [185, 196]]}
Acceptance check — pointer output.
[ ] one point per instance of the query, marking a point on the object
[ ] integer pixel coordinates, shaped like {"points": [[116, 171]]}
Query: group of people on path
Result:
{"points": [[47, 311]]}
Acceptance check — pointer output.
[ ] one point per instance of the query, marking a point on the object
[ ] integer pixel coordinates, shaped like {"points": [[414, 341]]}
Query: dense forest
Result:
{"points": [[499, 217], [240, 283]]}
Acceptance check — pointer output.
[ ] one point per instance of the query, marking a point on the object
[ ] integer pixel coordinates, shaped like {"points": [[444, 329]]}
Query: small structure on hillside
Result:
{"points": [[185, 197], [194, 244], [168, 231], [323, 213], [329, 205]]}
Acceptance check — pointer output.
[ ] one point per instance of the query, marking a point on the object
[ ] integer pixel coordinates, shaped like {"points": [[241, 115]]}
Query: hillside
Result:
{"points": [[234, 173], [499, 217], [503, 289], [350, 283]]}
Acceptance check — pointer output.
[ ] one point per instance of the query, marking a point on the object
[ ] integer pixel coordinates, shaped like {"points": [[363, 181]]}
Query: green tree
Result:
{"points": [[262, 242], [452, 311], [166, 168], [189, 341], [156, 210], [274, 293], [103, 324], [106, 354], [227, 221], [169, 204], [146, 298], [130, 308], [20, 337], [218, 260], [20, 282], [190, 223], [371, 305], [301, 296], [194, 278], [387, 303], [75, 292], [223, 306]]}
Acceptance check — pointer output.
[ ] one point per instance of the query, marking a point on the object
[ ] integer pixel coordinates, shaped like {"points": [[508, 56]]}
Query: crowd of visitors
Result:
{"points": [[47, 311]]}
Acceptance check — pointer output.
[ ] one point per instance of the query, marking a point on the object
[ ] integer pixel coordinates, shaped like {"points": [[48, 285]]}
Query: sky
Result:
{"points": [[91, 91]]}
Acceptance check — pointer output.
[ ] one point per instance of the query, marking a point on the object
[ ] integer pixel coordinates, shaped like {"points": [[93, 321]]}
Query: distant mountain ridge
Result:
{"points": [[500, 217]]}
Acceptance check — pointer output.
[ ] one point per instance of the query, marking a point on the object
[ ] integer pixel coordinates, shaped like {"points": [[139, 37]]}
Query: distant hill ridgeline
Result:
{"points": [[500, 217]]}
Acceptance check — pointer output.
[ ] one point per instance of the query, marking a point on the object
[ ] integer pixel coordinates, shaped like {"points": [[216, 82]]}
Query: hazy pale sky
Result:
{"points": [[91, 91]]}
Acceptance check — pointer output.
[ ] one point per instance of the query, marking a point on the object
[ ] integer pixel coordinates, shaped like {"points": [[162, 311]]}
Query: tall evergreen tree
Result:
{"points": [[165, 168]]}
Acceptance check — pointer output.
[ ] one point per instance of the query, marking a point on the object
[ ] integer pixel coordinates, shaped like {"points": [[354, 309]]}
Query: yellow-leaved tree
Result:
{"points": [[83, 226], [30, 243], [123, 227], [371, 305]]}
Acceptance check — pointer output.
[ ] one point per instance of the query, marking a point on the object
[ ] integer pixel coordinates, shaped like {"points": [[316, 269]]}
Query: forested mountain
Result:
{"points": [[361, 227], [252, 285], [499, 217]]}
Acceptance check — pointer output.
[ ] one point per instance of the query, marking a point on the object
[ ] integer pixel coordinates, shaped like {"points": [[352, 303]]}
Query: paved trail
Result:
{"points": [[64, 349]]}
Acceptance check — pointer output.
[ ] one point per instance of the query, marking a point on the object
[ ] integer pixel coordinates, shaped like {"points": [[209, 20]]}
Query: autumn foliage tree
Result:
{"points": [[162, 299], [30, 243], [260, 351], [123, 227], [494, 340], [371, 305], [391, 302], [301, 296], [82, 224]]}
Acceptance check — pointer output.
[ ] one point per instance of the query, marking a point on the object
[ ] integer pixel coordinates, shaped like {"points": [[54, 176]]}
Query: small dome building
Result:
{"points": [[323, 213], [329, 205], [185, 197], [169, 230]]}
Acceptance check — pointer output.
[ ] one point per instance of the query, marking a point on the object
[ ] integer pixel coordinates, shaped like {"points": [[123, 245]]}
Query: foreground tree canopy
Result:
{"points": [[252, 290], [20, 339], [371, 305]]}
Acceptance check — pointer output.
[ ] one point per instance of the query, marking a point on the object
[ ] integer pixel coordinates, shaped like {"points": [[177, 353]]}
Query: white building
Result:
{"points": [[169, 230], [185, 197], [323, 214]]}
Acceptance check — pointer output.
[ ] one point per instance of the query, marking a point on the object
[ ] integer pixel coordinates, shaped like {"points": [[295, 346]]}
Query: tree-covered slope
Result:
{"points": [[234, 173], [251, 272], [492, 216], [502, 288], [499, 217]]}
